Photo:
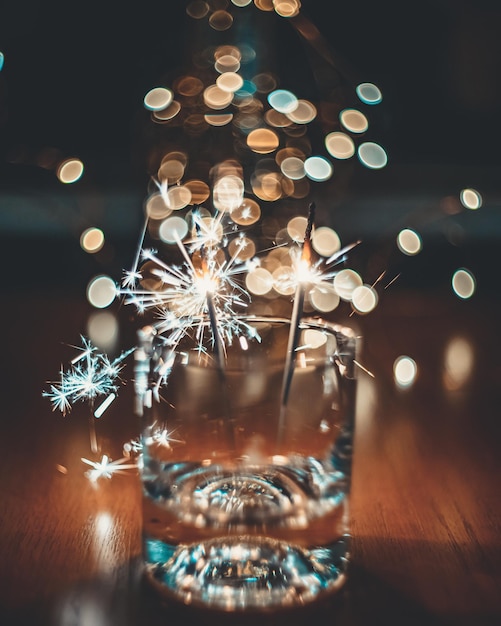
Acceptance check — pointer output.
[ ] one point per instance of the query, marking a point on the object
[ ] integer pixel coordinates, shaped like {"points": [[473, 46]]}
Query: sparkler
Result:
{"points": [[297, 312], [91, 375], [204, 297]]}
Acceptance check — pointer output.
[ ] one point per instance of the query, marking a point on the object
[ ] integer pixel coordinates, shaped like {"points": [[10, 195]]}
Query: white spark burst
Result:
{"points": [[105, 468], [91, 375]]}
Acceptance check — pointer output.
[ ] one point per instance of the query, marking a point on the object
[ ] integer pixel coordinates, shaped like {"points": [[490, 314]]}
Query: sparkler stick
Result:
{"points": [[297, 312], [218, 346]]}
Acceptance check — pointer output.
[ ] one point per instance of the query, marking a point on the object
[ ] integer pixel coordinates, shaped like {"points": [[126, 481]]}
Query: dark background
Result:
{"points": [[73, 82]]}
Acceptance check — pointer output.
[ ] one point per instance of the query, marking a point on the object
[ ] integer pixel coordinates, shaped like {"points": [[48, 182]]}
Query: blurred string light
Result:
{"points": [[409, 242], [2, 60], [103, 330], [463, 283], [470, 199], [404, 372], [70, 171], [101, 291], [459, 363], [92, 240]]}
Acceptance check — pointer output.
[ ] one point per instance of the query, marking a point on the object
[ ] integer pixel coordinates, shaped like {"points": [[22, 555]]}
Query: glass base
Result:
{"points": [[245, 572]]}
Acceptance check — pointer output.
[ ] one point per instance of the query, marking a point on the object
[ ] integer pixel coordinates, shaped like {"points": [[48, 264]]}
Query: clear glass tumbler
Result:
{"points": [[246, 466]]}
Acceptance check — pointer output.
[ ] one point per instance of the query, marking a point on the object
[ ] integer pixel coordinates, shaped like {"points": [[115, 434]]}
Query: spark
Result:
{"points": [[105, 468], [163, 437], [91, 375], [189, 293]]}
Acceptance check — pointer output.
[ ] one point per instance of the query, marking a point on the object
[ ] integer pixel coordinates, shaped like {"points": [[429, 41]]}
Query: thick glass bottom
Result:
{"points": [[246, 572]]}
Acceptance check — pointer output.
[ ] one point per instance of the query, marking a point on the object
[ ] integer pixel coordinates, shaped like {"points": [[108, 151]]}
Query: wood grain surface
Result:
{"points": [[426, 504]]}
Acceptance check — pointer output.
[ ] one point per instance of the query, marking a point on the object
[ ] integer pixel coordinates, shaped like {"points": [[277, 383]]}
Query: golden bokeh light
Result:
{"points": [[103, 330], [287, 8], [101, 291], [296, 228], [157, 207], [173, 229], [229, 82], [364, 299], [259, 281], [171, 171], [248, 213], [216, 98], [92, 240], [325, 241], [221, 20], [242, 248], [409, 242], [345, 283], [264, 5], [228, 193], [227, 63], [168, 113], [463, 283], [178, 197], [404, 371], [354, 120], [262, 140], [459, 363], [158, 98], [304, 113], [470, 199], [200, 191], [284, 280], [293, 168], [324, 297], [70, 171], [188, 86], [218, 119], [197, 9], [340, 145]]}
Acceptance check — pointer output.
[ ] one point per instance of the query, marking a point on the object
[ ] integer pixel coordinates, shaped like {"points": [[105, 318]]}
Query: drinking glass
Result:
{"points": [[246, 462]]}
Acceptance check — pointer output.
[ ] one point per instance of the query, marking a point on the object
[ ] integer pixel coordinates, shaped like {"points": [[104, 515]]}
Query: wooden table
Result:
{"points": [[426, 485]]}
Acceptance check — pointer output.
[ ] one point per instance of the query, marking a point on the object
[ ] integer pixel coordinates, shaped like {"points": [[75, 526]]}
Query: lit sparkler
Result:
{"points": [[91, 375], [106, 468]]}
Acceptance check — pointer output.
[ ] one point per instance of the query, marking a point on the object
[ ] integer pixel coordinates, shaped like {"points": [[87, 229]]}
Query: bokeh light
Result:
{"points": [[158, 98], [103, 330], [318, 168], [463, 283], [283, 101], [372, 155], [364, 299], [324, 297], [369, 93], [340, 145], [345, 282], [259, 281], [70, 171], [262, 140], [470, 199], [2, 60], [101, 291], [354, 121], [325, 241], [92, 240], [404, 371], [409, 242], [459, 362], [173, 229]]}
